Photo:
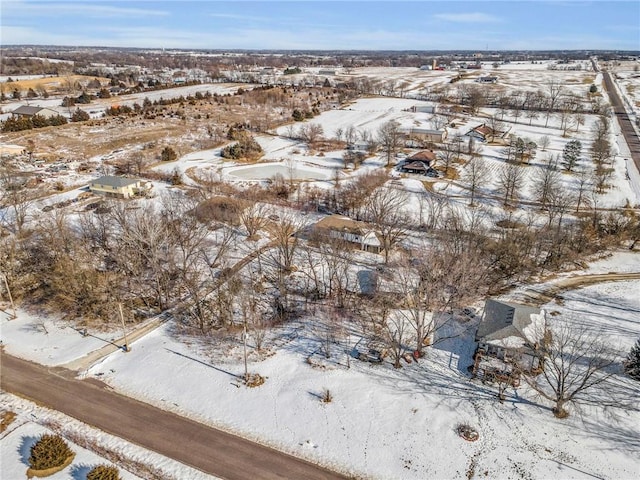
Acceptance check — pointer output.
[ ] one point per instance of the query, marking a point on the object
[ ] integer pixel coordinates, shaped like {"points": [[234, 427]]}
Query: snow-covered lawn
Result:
{"points": [[386, 423], [381, 423], [47, 340], [17, 444]]}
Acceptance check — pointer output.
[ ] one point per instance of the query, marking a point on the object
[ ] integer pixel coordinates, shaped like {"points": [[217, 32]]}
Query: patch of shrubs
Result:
{"points": [[19, 123], [49, 452], [104, 472], [245, 148]]}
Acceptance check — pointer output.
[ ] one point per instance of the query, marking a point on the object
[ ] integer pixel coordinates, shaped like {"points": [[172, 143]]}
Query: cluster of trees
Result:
{"points": [[17, 123], [245, 148], [300, 115], [520, 150]]}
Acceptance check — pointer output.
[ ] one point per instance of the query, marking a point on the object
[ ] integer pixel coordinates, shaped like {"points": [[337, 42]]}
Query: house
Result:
{"points": [[484, 133], [424, 156], [112, 186], [509, 338], [419, 163], [424, 109], [420, 168], [29, 111], [424, 135], [487, 79], [349, 230]]}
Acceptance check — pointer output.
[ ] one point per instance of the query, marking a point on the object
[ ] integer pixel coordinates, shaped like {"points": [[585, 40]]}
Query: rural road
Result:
{"points": [[629, 133], [212, 451]]}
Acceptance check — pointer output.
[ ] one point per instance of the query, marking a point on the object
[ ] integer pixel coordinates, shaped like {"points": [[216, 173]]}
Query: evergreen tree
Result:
{"points": [[79, 116], [104, 472], [632, 364], [49, 451], [168, 154], [570, 154]]}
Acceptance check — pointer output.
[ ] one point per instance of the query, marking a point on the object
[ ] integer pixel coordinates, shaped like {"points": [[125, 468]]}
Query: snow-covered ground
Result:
{"points": [[48, 340], [97, 107], [15, 450], [32, 421], [382, 422]]}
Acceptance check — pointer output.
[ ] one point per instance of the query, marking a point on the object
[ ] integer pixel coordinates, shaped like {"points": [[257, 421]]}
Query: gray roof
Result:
{"points": [[27, 110], [504, 319], [112, 181]]}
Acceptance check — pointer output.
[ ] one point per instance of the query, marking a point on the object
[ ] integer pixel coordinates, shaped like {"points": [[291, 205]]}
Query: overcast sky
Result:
{"points": [[301, 24]]}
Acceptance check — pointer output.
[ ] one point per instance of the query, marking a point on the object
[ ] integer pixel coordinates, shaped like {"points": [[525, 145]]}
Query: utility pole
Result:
{"points": [[244, 344], [124, 330], [13, 307]]}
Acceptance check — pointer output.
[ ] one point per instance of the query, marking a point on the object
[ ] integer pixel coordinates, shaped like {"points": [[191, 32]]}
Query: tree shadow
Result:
{"points": [[203, 363], [79, 472], [25, 448]]}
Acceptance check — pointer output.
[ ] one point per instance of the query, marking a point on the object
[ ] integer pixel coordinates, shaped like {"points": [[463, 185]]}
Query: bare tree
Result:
{"points": [[311, 132], [350, 136], [583, 186], [389, 139], [438, 121], [337, 255], [545, 181], [544, 142], [531, 114], [16, 197], [386, 325], [385, 210], [554, 92], [510, 182], [447, 155], [283, 235], [575, 361], [476, 175], [254, 218]]}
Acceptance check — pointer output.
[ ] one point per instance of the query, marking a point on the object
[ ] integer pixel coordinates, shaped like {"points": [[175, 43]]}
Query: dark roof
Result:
{"points": [[423, 156], [417, 165], [504, 319], [342, 224], [112, 181], [27, 110]]}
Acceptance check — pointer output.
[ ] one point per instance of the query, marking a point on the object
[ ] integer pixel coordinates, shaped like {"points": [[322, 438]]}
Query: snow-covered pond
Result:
{"points": [[268, 170]]}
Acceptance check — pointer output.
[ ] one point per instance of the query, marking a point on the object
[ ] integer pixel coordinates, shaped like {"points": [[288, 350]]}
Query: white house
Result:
{"points": [[352, 231]]}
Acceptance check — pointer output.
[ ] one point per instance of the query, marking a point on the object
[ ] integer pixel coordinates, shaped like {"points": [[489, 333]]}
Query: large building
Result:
{"points": [[112, 186]]}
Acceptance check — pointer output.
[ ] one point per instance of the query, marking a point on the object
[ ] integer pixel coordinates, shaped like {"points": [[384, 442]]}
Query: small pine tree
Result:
{"points": [[79, 116], [104, 472], [168, 154], [632, 363], [48, 452]]}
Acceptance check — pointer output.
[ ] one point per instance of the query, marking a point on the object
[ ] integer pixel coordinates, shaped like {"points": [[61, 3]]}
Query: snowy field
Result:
{"points": [[382, 423], [97, 107]]}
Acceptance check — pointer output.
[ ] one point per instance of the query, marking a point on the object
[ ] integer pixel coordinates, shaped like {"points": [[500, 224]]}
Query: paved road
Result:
{"points": [[212, 451], [626, 126]]}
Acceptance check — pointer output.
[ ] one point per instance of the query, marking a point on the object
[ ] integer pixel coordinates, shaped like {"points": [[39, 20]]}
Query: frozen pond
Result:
{"points": [[266, 171]]}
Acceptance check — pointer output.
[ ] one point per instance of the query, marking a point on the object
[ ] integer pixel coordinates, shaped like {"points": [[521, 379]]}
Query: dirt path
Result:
{"points": [[548, 293], [210, 450]]}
